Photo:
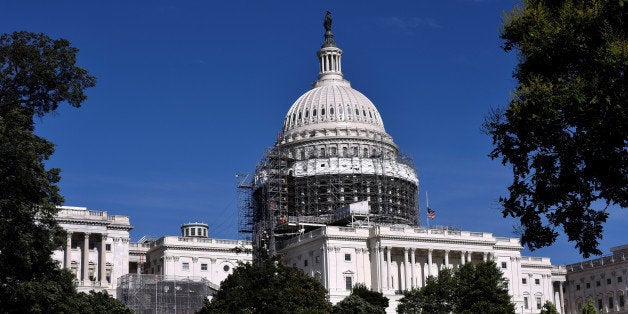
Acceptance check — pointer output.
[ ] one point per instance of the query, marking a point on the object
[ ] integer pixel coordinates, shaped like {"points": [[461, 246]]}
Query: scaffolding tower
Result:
{"points": [[149, 294]]}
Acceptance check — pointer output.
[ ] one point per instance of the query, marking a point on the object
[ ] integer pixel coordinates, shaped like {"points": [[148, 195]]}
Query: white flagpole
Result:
{"points": [[427, 210]]}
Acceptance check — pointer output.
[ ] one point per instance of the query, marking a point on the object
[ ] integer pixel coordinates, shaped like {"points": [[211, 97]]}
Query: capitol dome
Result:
{"points": [[331, 105], [333, 152]]}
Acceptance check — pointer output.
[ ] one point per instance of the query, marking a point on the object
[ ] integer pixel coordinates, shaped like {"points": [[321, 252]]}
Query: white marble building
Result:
{"points": [[602, 280], [97, 247], [193, 255], [394, 258]]}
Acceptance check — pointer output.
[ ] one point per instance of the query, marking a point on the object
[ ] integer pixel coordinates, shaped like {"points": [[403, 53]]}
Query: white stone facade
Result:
{"points": [[391, 259], [196, 257], [97, 247], [602, 280]]}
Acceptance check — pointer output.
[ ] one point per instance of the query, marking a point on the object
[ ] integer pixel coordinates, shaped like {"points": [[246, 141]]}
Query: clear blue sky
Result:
{"points": [[190, 93]]}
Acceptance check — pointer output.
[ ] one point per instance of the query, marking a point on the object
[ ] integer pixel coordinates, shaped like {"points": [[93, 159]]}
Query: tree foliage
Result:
{"points": [[354, 304], [362, 300], [549, 308], [564, 132], [472, 288], [268, 286], [589, 308], [37, 73]]}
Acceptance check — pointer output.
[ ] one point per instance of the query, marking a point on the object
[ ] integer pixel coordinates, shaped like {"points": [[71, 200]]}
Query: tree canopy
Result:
{"points": [[268, 286], [472, 288], [362, 300], [37, 73], [564, 132], [549, 308]]}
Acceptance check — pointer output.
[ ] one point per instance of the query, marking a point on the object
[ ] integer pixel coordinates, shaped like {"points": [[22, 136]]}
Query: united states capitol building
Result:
{"points": [[335, 198]]}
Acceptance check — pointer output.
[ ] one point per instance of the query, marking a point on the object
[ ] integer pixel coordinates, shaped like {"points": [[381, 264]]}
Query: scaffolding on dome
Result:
{"points": [[147, 293], [289, 196]]}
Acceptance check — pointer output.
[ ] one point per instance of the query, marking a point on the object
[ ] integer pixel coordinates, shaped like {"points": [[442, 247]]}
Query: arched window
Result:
{"points": [[299, 115], [365, 152], [322, 111], [370, 115], [331, 110], [333, 151], [344, 152], [314, 113], [357, 112], [355, 151], [307, 113]]}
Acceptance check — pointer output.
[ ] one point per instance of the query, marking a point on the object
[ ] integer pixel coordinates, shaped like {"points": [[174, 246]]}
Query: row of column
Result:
{"points": [[409, 278], [330, 62], [102, 257]]}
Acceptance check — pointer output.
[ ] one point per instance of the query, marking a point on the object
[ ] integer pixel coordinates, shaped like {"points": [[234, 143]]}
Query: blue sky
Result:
{"points": [[190, 93]]}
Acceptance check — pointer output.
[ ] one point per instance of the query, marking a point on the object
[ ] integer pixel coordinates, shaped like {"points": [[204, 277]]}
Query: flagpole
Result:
{"points": [[427, 210]]}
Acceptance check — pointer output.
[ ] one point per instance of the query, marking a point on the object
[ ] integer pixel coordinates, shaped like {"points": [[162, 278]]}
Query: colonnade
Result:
{"points": [[83, 272], [409, 275]]}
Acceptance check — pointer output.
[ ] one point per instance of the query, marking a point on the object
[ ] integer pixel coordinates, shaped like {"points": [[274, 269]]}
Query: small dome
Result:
{"points": [[332, 103]]}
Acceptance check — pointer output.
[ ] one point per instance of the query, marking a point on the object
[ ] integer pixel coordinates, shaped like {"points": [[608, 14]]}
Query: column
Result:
{"points": [[429, 262], [382, 271], [406, 272], [103, 259], [412, 269], [447, 258], [388, 273], [68, 251], [562, 298], [468, 253], [485, 257], [85, 263], [461, 258]]}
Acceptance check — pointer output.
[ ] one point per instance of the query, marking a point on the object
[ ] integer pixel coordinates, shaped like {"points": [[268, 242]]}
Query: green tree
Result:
{"points": [[549, 308], [472, 288], [481, 288], [437, 296], [268, 286], [37, 73], [99, 302], [564, 132], [373, 297], [589, 308], [354, 304]]}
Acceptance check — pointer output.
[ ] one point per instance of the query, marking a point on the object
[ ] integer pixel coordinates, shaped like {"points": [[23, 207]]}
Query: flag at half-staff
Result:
{"points": [[431, 214]]}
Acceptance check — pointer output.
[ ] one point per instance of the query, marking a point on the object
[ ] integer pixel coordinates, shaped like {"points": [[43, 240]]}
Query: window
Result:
{"points": [[610, 302], [503, 264], [225, 268], [193, 231], [203, 266], [524, 281], [608, 281], [619, 279], [597, 283], [331, 110], [304, 263], [355, 151], [108, 247], [357, 112], [344, 152], [348, 283], [307, 113], [537, 281], [577, 287], [588, 285], [314, 113], [334, 151], [347, 257], [621, 301], [323, 112], [525, 303], [599, 304], [538, 303], [365, 152], [317, 259], [185, 266]]}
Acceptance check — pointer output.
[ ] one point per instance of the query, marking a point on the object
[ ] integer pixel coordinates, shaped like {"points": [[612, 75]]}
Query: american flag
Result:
{"points": [[431, 214]]}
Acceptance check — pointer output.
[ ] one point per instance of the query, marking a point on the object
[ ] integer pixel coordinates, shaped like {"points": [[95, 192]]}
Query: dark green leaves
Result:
{"points": [[565, 129]]}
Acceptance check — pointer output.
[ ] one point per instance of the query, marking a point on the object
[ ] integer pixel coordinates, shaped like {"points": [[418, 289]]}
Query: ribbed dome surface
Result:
{"points": [[335, 102]]}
